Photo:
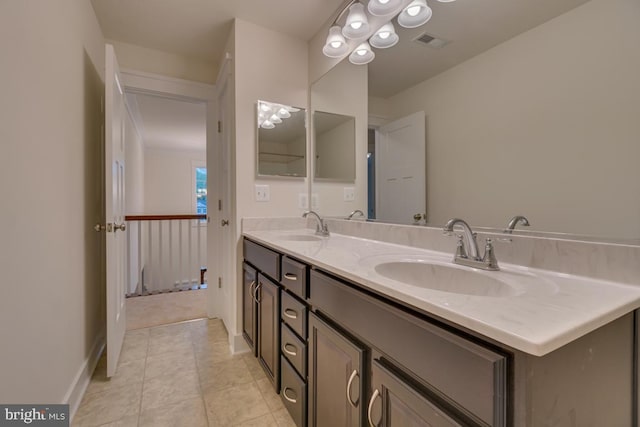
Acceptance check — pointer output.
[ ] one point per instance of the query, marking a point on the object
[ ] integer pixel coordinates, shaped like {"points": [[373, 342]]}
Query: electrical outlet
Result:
{"points": [[349, 194], [303, 201], [262, 193], [315, 201]]}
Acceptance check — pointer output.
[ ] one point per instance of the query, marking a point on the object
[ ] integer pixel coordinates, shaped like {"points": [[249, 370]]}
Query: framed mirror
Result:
{"points": [[281, 140], [334, 137]]}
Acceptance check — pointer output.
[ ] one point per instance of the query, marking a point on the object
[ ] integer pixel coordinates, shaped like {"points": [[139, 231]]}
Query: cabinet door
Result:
{"points": [[394, 403], [268, 294], [249, 307], [336, 386]]}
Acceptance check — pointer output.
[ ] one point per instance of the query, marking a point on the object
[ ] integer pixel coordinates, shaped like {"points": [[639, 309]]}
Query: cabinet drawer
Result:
{"points": [[294, 350], [263, 259], [294, 277], [294, 394], [472, 377], [294, 314]]}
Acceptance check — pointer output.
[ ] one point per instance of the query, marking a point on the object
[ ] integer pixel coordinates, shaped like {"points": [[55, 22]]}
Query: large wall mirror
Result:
{"points": [[282, 140], [527, 111]]}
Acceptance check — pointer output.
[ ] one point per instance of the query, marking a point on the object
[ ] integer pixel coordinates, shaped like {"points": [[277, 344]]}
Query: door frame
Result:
{"points": [[155, 84]]}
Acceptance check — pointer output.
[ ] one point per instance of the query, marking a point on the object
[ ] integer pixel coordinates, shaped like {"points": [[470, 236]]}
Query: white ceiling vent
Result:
{"points": [[431, 41]]}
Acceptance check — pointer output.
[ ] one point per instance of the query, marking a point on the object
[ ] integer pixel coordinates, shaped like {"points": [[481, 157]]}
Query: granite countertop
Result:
{"points": [[546, 311]]}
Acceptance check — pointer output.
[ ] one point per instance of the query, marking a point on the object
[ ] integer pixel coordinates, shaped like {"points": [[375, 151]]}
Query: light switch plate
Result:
{"points": [[349, 194], [303, 201], [262, 193]]}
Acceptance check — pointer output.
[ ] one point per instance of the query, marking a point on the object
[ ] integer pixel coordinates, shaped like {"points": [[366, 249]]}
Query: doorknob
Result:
{"points": [[99, 227], [121, 227], [224, 222]]}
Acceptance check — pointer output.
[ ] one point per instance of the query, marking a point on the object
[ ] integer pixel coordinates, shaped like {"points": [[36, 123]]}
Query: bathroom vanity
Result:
{"points": [[349, 335]]}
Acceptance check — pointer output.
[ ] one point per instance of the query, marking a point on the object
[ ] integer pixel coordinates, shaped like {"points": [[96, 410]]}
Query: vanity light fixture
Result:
{"points": [[357, 28], [362, 54], [270, 114]]}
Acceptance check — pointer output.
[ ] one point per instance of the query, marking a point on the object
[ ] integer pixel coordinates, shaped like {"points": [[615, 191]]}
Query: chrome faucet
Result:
{"points": [[514, 221], [321, 227], [354, 213], [473, 259]]}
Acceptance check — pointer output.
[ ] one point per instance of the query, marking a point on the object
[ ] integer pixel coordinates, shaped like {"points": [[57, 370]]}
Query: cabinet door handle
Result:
{"points": [[290, 399], [354, 374], [290, 276], [252, 290], [376, 393], [290, 313], [255, 293], [289, 352]]}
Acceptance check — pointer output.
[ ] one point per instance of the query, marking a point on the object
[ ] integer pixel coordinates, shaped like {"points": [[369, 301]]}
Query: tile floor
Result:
{"points": [[181, 375], [160, 309]]}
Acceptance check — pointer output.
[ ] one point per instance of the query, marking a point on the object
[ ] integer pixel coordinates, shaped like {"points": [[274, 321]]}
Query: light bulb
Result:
{"points": [[275, 119], [413, 10], [361, 52], [384, 35], [264, 107], [383, 1], [336, 44], [284, 113], [267, 125]]}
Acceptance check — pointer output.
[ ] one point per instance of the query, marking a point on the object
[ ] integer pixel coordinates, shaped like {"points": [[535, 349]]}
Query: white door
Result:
{"points": [[401, 187], [114, 210]]}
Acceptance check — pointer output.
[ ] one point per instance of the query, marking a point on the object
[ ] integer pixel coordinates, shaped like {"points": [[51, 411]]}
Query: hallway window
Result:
{"points": [[201, 190]]}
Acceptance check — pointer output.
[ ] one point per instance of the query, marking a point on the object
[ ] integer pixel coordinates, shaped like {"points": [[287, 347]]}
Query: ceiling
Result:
{"points": [[166, 123], [199, 29]]}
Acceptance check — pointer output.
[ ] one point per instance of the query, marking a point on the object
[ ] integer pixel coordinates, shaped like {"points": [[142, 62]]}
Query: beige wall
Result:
{"points": [[169, 182], [270, 66], [548, 121], [51, 304], [134, 161], [167, 64]]}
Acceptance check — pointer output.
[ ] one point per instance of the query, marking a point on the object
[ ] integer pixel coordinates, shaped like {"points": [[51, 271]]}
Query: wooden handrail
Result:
{"points": [[163, 217]]}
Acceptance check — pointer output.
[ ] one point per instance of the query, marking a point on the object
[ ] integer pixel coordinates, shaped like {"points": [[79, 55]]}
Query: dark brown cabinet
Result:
{"points": [[268, 296], [250, 307], [394, 403], [335, 377]]}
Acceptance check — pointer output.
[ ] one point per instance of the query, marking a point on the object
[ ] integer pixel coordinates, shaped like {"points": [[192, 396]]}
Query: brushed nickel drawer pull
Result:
{"points": [[354, 374], [290, 276], [376, 393], [289, 352], [290, 313], [290, 399]]}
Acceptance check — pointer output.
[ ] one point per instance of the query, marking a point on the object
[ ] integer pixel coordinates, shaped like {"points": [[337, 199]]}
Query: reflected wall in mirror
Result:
{"points": [[282, 141], [338, 189], [334, 146], [536, 116]]}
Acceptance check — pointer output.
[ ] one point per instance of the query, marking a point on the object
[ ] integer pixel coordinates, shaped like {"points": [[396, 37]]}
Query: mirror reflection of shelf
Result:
{"points": [[279, 157]]}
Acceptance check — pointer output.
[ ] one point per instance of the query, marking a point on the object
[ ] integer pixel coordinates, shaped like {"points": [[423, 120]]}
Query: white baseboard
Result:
{"points": [[81, 381], [238, 344]]}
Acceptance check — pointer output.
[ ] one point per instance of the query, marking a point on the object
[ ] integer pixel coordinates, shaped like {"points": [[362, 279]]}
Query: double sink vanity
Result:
{"points": [[376, 325]]}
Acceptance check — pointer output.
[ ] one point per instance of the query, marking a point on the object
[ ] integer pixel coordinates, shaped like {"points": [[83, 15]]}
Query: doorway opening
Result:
{"points": [[166, 206]]}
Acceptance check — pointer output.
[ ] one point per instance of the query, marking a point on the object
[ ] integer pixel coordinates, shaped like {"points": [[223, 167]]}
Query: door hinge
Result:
{"points": [[219, 126], [219, 282], [219, 204]]}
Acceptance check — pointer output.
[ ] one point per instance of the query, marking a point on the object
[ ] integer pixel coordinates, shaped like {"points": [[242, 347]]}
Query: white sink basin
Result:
{"points": [[440, 274], [300, 238], [445, 278]]}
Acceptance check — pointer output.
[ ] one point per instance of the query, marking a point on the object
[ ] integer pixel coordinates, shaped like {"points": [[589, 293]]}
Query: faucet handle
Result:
{"points": [[489, 258], [460, 250]]}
